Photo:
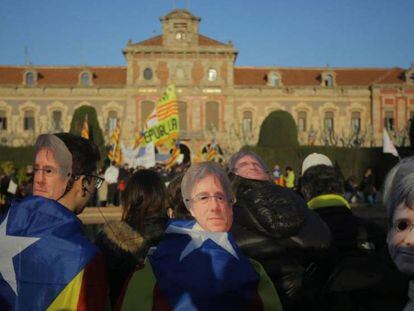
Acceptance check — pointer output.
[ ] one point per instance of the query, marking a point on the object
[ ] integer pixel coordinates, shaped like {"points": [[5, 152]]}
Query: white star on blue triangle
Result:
{"points": [[10, 246], [199, 237]]}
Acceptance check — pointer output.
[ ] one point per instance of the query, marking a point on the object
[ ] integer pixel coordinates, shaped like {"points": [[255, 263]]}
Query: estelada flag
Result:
{"points": [[85, 128], [115, 154], [192, 269], [46, 262], [162, 126]]}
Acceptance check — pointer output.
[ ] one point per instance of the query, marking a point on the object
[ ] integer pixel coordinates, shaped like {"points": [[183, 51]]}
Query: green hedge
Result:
{"points": [[20, 156]]}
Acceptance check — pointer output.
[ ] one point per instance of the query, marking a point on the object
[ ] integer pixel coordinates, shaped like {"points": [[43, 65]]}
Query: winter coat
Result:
{"points": [[273, 225], [356, 272], [124, 248]]}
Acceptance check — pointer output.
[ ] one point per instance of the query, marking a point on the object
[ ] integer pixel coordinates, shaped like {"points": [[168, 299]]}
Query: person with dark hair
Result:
{"points": [[175, 199], [198, 265], [125, 243], [46, 261], [273, 225], [353, 271], [367, 188]]}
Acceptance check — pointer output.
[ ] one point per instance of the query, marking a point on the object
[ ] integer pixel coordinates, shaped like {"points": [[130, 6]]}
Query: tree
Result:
{"points": [[411, 133], [95, 132], [278, 130]]}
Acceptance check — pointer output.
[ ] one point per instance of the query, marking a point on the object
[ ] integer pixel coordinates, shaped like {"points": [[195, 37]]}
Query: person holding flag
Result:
{"points": [[198, 265], [46, 261]]}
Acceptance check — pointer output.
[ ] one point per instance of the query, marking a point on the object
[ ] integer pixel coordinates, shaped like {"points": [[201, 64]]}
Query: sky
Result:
{"points": [[286, 33]]}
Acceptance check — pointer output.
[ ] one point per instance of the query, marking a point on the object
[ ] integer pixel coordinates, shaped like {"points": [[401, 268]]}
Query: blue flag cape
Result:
{"points": [[207, 278], [45, 267]]}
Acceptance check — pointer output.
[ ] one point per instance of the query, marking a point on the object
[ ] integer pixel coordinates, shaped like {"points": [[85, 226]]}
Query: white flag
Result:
{"points": [[388, 146]]}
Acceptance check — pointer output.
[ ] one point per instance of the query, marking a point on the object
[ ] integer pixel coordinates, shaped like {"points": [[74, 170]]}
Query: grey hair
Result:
{"points": [[60, 152], [399, 187], [242, 153], [199, 171]]}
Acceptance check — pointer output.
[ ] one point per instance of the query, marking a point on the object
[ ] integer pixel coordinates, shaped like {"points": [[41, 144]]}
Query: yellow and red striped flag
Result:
{"points": [[173, 158], [162, 126], [85, 128], [211, 153], [115, 154]]}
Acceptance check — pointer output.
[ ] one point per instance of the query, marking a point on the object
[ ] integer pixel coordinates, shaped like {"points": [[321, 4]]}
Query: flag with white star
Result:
{"points": [[192, 269], [44, 257]]}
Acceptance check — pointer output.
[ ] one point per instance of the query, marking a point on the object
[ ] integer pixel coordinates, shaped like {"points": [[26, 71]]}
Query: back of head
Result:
{"points": [[144, 195], [399, 186], [231, 165], [321, 179], [199, 171], [315, 159], [175, 199], [85, 154]]}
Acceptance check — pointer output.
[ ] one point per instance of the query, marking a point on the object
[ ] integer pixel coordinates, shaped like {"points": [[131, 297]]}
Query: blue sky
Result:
{"points": [[291, 33]]}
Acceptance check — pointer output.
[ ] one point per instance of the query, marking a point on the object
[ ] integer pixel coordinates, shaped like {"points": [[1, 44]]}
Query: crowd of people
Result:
{"points": [[206, 237]]}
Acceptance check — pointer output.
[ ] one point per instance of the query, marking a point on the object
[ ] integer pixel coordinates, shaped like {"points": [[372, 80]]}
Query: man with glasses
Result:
{"points": [[198, 265], [46, 261]]}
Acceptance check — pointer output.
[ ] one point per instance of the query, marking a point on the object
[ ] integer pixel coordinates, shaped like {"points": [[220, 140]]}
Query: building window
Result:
{"points": [[180, 35], [247, 122], [29, 121], [182, 115], [148, 74], [328, 122], [111, 121], [329, 80], [212, 74], [30, 78], [57, 120], [302, 121], [356, 121], [212, 116], [85, 79], [273, 79], [180, 74], [147, 108], [3, 121], [389, 120]]}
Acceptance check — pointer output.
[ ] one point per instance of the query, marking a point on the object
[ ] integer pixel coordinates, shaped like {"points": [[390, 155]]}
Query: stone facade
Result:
{"points": [[335, 106]]}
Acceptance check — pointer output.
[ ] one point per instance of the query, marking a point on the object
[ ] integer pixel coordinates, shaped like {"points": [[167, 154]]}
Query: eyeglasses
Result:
{"points": [[98, 180], [402, 225], [203, 199]]}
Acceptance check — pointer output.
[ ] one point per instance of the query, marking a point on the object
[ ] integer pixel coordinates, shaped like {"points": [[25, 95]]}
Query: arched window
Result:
{"points": [[247, 122], [3, 120], [389, 120], [302, 121], [273, 79], [57, 120], [85, 79], [356, 121], [148, 73], [29, 120], [30, 78], [146, 109], [212, 116], [328, 122], [182, 115], [329, 80], [111, 121]]}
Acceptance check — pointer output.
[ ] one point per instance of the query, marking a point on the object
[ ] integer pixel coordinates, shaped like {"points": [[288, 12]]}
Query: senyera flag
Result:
{"points": [[162, 126], [192, 269], [46, 263]]}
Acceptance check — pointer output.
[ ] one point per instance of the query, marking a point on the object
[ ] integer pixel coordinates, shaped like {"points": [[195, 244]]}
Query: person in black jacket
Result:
{"points": [[355, 273], [273, 226], [125, 243]]}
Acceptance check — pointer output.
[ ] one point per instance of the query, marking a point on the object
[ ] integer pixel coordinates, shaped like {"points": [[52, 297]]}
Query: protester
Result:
{"points": [[46, 262], [111, 178], [289, 178], [176, 206], [125, 243], [353, 272], [273, 225], [367, 190], [198, 266], [398, 198]]}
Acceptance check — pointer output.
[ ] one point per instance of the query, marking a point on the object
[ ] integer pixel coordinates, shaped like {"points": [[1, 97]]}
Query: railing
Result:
{"points": [[100, 215]]}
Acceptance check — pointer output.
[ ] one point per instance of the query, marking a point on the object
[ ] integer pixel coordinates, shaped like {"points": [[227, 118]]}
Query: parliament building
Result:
{"points": [[217, 99]]}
